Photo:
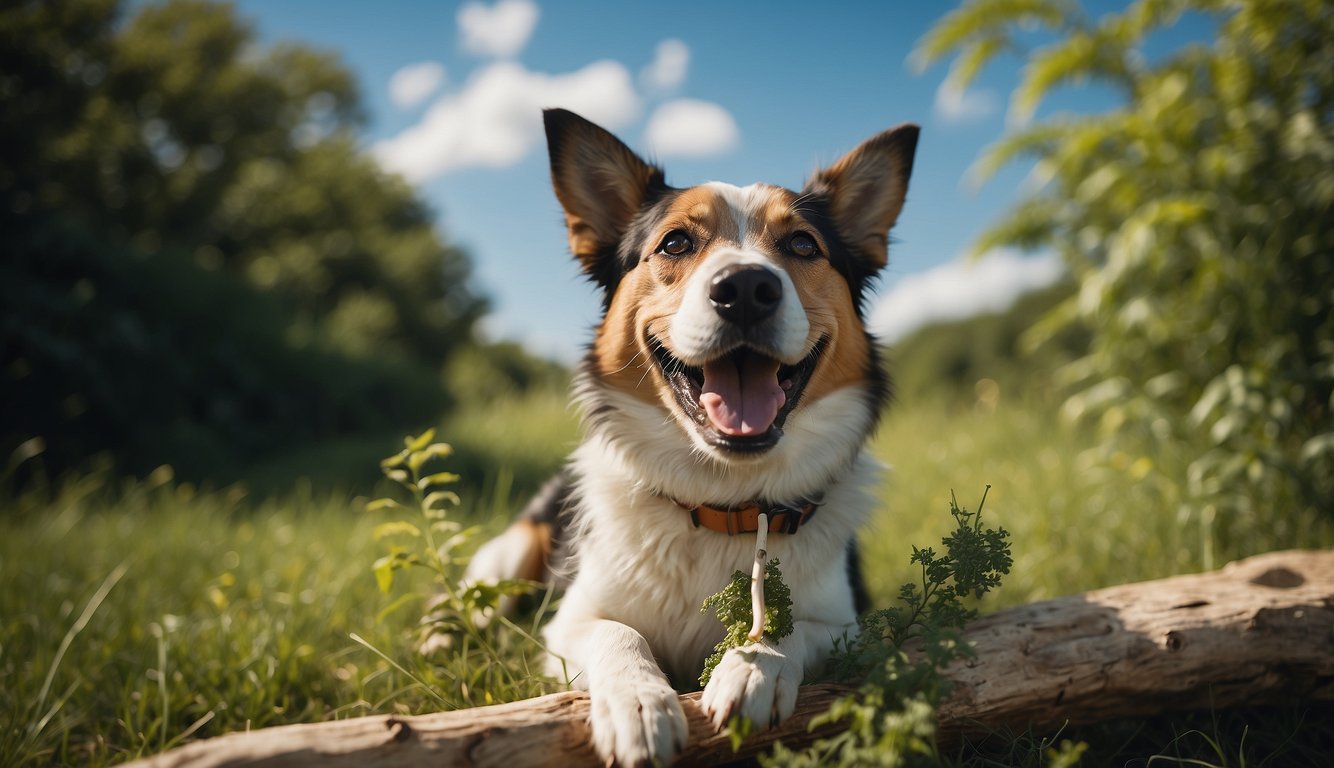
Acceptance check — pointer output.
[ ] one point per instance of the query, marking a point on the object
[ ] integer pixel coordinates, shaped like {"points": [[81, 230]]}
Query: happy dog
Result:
{"points": [[731, 373]]}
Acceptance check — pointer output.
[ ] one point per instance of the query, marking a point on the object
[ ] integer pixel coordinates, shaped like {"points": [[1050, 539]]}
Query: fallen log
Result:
{"points": [[1257, 631]]}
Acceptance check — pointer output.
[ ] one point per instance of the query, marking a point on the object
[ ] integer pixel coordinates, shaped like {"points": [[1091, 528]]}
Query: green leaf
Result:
{"points": [[394, 606], [394, 461], [1068, 60], [384, 572], [382, 504], [985, 20], [419, 442], [432, 451], [395, 528], [738, 728], [435, 498], [439, 478]]}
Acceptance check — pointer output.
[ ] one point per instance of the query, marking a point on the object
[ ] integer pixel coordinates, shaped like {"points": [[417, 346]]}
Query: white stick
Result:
{"points": [[757, 581]]}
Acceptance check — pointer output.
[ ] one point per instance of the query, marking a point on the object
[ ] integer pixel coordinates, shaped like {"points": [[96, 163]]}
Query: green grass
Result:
{"points": [[1077, 522], [204, 615], [134, 617]]}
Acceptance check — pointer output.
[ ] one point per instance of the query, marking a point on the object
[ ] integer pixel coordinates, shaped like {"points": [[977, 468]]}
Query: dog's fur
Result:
{"points": [[680, 392]]}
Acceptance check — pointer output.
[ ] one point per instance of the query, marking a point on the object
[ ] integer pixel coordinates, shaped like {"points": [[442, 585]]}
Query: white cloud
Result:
{"points": [[960, 289], [668, 69], [959, 105], [497, 118], [410, 85], [500, 30], [691, 128]]}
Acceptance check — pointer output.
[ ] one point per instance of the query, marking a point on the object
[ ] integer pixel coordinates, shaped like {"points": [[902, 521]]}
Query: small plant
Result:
{"points": [[480, 654], [733, 607], [901, 651]]}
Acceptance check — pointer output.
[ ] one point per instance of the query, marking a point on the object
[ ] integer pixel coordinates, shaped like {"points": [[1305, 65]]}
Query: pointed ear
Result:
{"points": [[866, 188], [600, 183]]}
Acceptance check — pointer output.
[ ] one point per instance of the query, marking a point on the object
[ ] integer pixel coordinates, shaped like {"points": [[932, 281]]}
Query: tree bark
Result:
{"points": [[1257, 631]]}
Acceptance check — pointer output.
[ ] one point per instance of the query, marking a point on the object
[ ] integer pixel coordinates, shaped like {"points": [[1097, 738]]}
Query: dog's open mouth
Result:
{"points": [[739, 400]]}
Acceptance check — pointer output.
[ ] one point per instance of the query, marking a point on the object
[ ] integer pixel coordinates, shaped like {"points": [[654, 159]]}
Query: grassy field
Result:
{"points": [[136, 616]]}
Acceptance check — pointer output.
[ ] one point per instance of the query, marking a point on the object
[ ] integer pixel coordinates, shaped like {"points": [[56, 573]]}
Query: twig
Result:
{"points": [[757, 580]]}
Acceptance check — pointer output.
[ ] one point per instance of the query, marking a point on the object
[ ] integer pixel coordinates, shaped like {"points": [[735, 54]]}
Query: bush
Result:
{"points": [[1196, 218]]}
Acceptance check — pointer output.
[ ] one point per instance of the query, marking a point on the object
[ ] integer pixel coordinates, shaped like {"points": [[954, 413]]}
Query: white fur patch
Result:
{"points": [[696, 328], [633, 612]]}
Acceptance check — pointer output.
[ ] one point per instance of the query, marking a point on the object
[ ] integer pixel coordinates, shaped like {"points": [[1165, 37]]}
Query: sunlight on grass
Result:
{"points": [[228, 617], [1076, 523], [236, 613]]}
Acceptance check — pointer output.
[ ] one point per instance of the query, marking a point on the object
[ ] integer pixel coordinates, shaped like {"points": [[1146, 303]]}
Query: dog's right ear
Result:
{"points": [[600, 183]]}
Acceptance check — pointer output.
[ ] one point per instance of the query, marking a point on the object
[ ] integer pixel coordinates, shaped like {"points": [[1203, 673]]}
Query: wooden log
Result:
{"points": [[1259, 630]]}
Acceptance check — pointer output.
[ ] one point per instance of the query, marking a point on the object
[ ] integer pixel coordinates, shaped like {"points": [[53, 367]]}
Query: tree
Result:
{"points": [[199, 264], [1196, 216]]}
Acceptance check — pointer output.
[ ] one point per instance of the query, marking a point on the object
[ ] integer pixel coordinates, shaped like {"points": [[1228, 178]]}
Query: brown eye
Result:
{"points": [[802, 245], [676, 243]]}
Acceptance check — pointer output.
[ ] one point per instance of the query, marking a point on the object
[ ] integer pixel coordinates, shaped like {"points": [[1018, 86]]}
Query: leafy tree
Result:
{"points": [[1196, 216], [199, 265]]}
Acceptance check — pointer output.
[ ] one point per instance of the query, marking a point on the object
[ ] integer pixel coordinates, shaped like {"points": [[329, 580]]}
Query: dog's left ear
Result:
{"points": [[866, 188]]}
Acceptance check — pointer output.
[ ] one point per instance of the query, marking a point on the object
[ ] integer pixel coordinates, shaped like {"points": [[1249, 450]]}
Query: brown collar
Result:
{"points": [[783, 518]]}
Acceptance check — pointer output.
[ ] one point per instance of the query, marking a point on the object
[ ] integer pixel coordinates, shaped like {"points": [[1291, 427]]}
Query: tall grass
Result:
{"points": [[194, 614], [1079, 520], [135, 616]]}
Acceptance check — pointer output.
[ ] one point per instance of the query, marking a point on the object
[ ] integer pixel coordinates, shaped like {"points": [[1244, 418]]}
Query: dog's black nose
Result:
{"points": [[745, 294]]}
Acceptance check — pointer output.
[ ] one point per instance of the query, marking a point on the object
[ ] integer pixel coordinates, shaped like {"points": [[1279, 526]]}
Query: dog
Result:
{"points": [[732, 373]]}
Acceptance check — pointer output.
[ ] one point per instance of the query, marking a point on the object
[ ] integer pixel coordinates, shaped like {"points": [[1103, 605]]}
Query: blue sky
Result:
{"points": [[727, 91]]}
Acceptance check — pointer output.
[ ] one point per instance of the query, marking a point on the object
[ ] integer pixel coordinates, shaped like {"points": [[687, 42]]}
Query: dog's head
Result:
{"points": [[731, 307]]}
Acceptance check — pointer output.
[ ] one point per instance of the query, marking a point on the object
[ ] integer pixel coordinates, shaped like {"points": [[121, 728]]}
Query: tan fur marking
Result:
{"points": [[824, 294], [534, 564], [704, 215], [649, 296]]}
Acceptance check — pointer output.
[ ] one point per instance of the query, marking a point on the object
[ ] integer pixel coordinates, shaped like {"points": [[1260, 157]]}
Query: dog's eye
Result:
{"points": [[676, 243], [802, 245]]}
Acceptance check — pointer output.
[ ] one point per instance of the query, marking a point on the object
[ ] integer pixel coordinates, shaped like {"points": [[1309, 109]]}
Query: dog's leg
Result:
{"points": [[636, 717], [759, 681], [527, 548]]}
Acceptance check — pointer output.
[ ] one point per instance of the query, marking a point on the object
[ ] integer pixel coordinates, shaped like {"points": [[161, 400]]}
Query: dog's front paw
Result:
{"points": [[754, 681], [637, 721]]}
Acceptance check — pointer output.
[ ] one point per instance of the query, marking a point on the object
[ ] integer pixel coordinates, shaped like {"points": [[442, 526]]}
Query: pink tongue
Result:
{"points": [[741, 393]]}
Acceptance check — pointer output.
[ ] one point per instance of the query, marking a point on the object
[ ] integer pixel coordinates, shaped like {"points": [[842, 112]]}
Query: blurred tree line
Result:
{"points": [[1198, 220], [200, 266], [954, 359]]}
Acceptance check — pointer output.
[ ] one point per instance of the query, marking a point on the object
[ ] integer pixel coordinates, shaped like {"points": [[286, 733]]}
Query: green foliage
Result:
{"points": [[732, 605], [1195, 217], [149, 357], [200, 265], [481, 654], [898, 657], [441, 536]]}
